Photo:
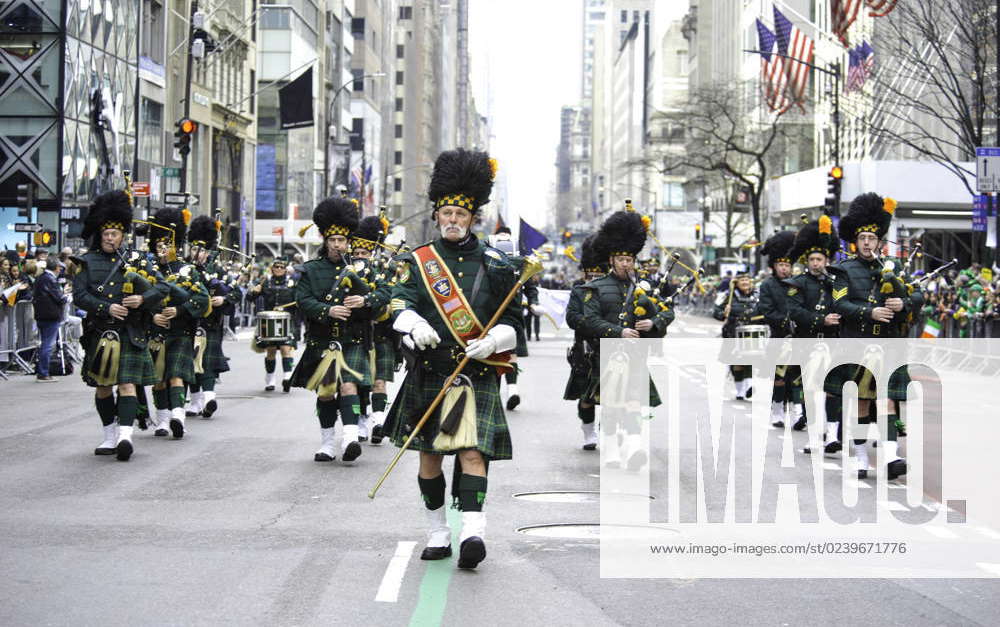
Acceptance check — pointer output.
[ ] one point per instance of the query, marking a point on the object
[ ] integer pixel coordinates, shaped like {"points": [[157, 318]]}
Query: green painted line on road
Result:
{"points": [[433, 598]]}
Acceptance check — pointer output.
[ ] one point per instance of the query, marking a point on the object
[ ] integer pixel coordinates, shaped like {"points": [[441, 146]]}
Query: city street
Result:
{"points": [[235, 524]]}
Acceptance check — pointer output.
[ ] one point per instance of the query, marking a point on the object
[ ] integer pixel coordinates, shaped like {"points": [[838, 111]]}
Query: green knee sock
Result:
{"points": [[161, 398], [176, 396], [432, 490], [208, 384], [127, 408], [586, 414], [105, 409], [269, 365], [350, 408], [287, 363], [471, 493], [327, 412], [379, 401]]}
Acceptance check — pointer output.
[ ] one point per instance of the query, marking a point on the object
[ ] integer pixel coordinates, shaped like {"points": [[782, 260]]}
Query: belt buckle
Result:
{"points": [[335, 331], [876, 329]]}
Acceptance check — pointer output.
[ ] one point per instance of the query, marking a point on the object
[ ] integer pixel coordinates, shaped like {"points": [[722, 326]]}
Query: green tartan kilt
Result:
{"points": [[214, 361], [385, 360], [593, 390], [134, 363], [413, 398], [583, 385], [355, 356], [180, 359], [843, 373]]}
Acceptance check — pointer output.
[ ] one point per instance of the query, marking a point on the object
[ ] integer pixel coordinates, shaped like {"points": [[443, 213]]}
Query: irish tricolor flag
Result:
{"points": [[931, 329]]}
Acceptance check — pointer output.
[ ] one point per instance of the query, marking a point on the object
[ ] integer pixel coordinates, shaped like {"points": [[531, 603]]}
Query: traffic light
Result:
{"points": [[833, 181], [566, 236], [25, 199], [44, 238], [185, 129], [697, 232]]}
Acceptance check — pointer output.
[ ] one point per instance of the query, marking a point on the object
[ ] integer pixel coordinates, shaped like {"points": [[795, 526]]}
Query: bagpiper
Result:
{"points": [[277, 293], [210, 360], [872, 305], [447, 291], [772, 310], [366, 245], [335, 299], [584, 374], [614, 306], [118, 288], [810, 305], [735, 308], [528, 297], [175, 321]]}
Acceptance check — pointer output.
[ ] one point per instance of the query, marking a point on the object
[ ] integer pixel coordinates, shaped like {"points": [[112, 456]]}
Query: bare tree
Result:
{"points": [[931, 95]]}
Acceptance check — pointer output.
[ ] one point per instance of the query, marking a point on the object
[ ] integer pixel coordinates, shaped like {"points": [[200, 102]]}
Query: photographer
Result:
{"points": [[49, 301]]}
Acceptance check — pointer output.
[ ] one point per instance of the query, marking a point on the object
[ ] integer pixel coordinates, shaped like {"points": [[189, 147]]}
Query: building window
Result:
{"points": [[399, 131], [398, 158], [399, 77], [624, 16], [151, 131], [406, 13], [358, 27], [635, 16], [397, 184], [399, 51], [359, 81], [152, 31], [399, 104]]}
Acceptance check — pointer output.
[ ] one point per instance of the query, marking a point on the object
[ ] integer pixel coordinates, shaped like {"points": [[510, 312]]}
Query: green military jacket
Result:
{"points": [[605, 310], [278, 291], [315, 293], [187, 293], [771, 308], [741, 308], [214, 277], [96, 288], [810, 300], [465, 261], [856, 293]]}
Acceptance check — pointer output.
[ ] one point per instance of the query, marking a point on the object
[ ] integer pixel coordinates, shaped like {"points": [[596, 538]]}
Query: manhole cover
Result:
{"points": [[594, 531], [577, 496]]}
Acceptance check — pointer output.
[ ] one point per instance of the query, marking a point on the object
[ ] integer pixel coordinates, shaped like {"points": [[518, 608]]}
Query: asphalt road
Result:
{"points": [[235, 524]]}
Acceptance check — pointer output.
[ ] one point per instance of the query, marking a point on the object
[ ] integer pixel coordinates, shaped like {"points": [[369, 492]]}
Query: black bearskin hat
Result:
{"points": [[368, 233], [109, 210], [589, 261], [336, 216], [869, 213], [463, 178], [623, 233], [203, 232], [777, 247], [170, 218], [818, 236]]}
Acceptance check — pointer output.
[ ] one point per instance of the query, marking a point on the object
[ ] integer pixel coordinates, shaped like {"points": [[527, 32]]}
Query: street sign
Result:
{"points": [[173, 198], [27, 227], [69, 213], [987, 170], [140, 188], [193, 199], [980, 213], [171, 173]]}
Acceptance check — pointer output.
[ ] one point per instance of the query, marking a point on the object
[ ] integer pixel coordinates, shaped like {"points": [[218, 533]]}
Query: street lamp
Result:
{"points": [[326, 144]]}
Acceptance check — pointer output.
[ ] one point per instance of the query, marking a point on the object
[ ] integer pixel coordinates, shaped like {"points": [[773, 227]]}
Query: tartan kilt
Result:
{"points": [[582, 385], [591, 391], [214, 361], [413, 398], [521, 350], [134, 364], [180, 358], [835, 380], [385, 360], [355, 356]]}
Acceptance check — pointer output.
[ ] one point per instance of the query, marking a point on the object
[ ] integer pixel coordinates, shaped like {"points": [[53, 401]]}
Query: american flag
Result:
{"points": [[842, 15], [855, 71], [799, 51], [770, 69], [880, 8], [867, 55]]}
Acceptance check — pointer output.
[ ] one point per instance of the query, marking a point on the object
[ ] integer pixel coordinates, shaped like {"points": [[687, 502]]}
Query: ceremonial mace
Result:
{"points": [[532, 266]]}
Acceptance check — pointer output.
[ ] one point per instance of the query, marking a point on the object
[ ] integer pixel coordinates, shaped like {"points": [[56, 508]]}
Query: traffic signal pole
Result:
{"points": [[187, 91]]}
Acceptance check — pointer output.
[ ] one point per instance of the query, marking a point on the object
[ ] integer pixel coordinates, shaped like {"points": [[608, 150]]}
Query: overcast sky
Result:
{"points": [[525, 66]]}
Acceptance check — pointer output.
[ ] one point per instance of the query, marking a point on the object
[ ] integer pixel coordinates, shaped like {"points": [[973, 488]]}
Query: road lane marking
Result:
{"points": [[388, 590], [433, 595]]}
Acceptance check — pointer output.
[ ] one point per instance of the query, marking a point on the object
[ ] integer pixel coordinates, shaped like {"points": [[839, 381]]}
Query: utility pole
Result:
{"points": [[187, 90]]}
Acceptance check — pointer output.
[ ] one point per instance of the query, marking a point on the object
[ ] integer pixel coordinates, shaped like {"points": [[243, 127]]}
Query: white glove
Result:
{"points": [[538, 311], [410, 323], [424, 335], [481, 349]]}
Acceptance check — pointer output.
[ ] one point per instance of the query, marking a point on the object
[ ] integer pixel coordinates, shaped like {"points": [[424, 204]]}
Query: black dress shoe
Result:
{"points": [[141, 422], [176, 428], [749, 392], [351, 453], [161, 433], [472, 551], [104, 451], [513, 401], [590, 447], [323, 457], [779, 424], [286, 386], [833, 447], [377, 434], [210, 408], [800, 424], [862, 474], [123, 450], [269, 388], [432, 553], [896, 469]]}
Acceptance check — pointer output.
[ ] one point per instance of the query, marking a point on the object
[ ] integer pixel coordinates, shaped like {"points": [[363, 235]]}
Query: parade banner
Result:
{"points": [[554, 303]]}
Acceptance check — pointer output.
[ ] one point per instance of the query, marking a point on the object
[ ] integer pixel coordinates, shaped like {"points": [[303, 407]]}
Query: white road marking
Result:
{"points": [[388, 591], [941, 533]]}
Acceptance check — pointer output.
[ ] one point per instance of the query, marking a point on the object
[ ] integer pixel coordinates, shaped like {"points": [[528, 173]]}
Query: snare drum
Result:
{"points": [[751, 339], [274, 326]]}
